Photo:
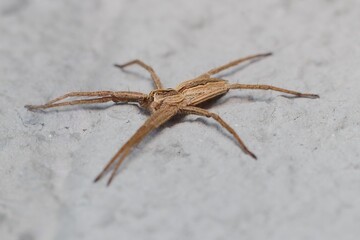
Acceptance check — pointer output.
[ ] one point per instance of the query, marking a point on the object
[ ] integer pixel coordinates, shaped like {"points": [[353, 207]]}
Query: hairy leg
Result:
{"points": [[205, 113], [153, 74], [101, 97], [156, 119], [233, 63], [268, 87]]}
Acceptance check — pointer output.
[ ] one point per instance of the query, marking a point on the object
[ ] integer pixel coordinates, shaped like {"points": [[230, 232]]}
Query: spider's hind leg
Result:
{"points": [[205, 113], [269, 87]]}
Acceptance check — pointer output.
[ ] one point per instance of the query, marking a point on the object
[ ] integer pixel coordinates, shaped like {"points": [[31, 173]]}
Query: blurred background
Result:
{"points": [[189, 179]]}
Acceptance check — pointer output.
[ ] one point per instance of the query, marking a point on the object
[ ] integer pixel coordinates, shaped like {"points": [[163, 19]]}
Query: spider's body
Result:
{"points": [[189, 93], [166, 103]]}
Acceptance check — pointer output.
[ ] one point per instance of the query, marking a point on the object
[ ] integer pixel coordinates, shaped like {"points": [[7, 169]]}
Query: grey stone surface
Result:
{"points": [[189, 180]]}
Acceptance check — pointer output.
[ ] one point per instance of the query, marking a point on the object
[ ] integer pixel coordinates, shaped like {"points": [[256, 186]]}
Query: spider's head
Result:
{"points": [[160, 97]]}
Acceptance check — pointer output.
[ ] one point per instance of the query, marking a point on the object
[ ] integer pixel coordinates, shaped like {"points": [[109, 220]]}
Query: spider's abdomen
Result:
{"points": [[200, 92]]}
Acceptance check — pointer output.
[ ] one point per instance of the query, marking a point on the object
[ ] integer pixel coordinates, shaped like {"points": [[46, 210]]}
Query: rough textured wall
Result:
{"points": [[189, 180]]}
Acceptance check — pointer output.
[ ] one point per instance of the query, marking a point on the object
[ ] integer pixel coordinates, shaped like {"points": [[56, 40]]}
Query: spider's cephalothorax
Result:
{"points": [[161, 98], [166, 103]]}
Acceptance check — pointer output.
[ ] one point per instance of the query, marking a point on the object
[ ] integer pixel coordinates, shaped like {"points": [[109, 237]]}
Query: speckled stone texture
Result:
{"points": [[189, 179]]}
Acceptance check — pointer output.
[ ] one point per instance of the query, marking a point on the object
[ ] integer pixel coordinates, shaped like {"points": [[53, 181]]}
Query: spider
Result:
{"points": [[165, 103]]}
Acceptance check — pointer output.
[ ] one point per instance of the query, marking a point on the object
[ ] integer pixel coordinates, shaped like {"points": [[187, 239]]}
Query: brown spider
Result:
{"points": [[166, 103]]}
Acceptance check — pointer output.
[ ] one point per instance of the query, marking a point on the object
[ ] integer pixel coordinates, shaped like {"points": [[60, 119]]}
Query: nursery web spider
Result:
{"points": [[165, 103]]}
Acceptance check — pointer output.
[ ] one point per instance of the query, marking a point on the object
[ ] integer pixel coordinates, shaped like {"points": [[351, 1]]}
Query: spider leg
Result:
{"points": [[154, 121], [205, 113], [100, 97], [153, 74], [233, 63], [268, 87]]}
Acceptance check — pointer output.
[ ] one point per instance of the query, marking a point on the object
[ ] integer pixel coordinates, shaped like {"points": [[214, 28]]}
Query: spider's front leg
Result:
{"points": [[158, 118], [92, 97], [148, 68]]}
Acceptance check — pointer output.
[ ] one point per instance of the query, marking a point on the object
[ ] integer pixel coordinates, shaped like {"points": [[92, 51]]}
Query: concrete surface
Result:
{"points": [[189, 180]]}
